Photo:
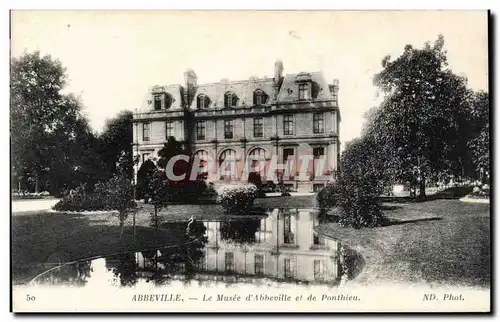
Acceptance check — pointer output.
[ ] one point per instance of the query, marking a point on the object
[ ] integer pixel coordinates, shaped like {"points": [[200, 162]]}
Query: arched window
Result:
{"points": [[229, 155], [259, 97], [227, 159], [230, 99], [258, 157], [203, 156], [203, 101], [259, 153]]}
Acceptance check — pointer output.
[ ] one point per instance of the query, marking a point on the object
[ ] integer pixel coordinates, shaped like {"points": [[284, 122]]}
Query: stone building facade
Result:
{"points": [[282, 119]]}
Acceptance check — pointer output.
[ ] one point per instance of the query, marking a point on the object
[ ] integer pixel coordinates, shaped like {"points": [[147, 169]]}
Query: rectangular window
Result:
{"points": [[287, 152], [288, 124], [288, 268], [157, 102], [258, 99], [259, 264], [229, 262], [318, 152], [257, 127], [318, 123], [145, 156], [288, 235], [261, 233], [146, 129], [228, 129], [169, 129], [319, 269], [200, 130], [303, 95]]}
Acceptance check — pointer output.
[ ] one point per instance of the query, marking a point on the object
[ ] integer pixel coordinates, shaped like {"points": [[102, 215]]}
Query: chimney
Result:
{"points": [[190, 78], [278, 78], [278, 71]]}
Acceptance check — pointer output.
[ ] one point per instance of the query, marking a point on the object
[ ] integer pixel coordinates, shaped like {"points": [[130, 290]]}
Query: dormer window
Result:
{"points": [[157, 100], [259, 97], [303, 91], [230, 99], [203, 101], [162, 101]]}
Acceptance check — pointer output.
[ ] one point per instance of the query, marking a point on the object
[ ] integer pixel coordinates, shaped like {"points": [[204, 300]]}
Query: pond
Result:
{"points": [[279, 247]]}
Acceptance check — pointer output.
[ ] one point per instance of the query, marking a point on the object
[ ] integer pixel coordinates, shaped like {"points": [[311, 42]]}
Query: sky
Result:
{"points": [[112, 57]]}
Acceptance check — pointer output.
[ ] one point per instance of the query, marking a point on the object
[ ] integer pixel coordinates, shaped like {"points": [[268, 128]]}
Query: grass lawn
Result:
{"points": [[438, 242]]}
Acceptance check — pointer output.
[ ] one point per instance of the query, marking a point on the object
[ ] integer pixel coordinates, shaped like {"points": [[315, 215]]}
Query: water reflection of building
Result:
{"points": [[285, 247], [282, 245]]}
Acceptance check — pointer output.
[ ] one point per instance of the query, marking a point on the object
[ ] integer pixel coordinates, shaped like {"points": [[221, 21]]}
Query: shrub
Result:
{"points": [[327, 197], [236, 199], [80, 200], [114, 194]]}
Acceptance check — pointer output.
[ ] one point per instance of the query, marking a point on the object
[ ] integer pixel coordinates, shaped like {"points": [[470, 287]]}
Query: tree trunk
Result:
{"points": [[37, 182], [134, 225], [422, 188], [122, 224]]}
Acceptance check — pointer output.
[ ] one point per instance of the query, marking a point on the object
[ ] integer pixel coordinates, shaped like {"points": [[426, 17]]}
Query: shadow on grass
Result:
{"points": [[331, 218], [391, 207], [393, 222], [450, 193]]}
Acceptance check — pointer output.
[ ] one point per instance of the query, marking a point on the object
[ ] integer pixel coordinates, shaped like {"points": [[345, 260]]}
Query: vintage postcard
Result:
{"points": [[250, 161]]}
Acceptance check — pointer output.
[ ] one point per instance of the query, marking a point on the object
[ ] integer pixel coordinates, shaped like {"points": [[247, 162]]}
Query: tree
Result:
{"points": [[172, 148], [185, 189], [159, 193], [421, 125], [144, 177], [118, 192], [115, 142], [74, 157], [35, 85], [359, 185], [480, 141], [51, 141]]}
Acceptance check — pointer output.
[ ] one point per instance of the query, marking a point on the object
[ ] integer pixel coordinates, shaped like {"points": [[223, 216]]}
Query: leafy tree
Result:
{"points": [[115, 142], [185, 189], [35, 85], [118, 192], [480, 142], [172, 148], [144, 176], [359, 185], [74, 156], [158, 187], [421, 125], [51, 142]]}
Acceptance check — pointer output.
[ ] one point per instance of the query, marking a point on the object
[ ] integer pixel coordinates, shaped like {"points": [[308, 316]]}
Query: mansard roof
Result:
{"points": [[289, 88], [243, 90]]}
